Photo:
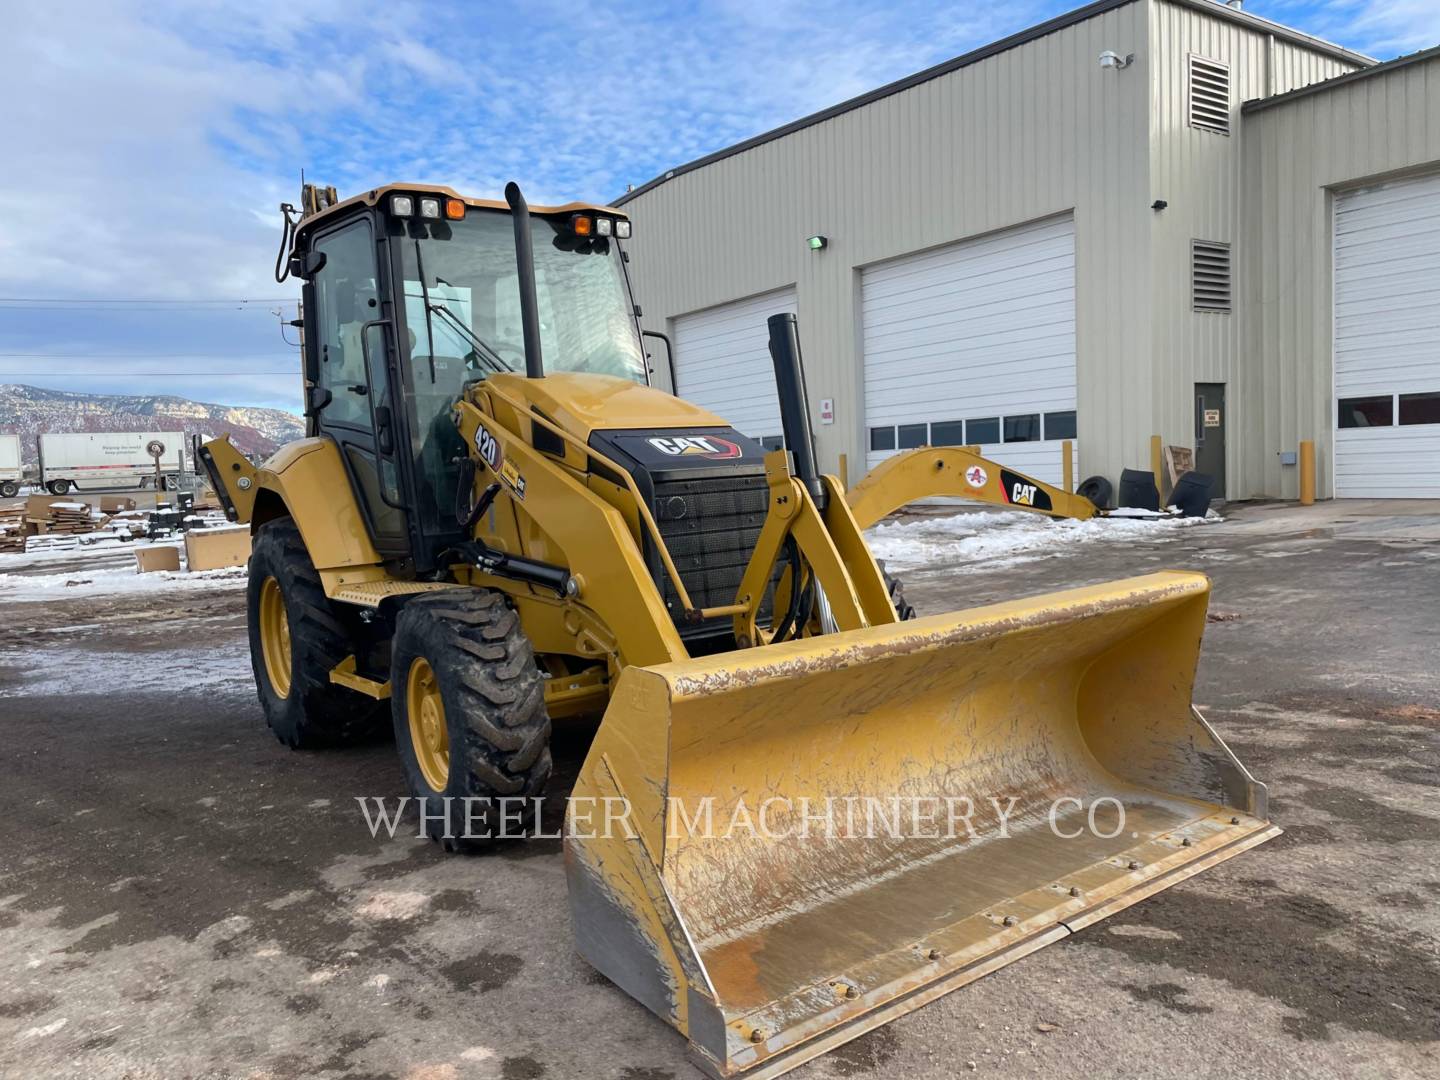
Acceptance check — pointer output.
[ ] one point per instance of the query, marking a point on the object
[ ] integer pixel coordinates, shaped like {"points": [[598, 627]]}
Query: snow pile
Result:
{"points": [[990, 539], [109, 580], [222, 671]]}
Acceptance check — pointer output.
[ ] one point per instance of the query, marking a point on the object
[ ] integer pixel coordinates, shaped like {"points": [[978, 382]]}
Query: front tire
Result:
{"points": [[468, 706], [896, 589], [296, 638]]}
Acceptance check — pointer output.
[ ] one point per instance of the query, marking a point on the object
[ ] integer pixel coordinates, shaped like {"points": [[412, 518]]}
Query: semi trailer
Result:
{"points": [[95, 459], [11, 471]]}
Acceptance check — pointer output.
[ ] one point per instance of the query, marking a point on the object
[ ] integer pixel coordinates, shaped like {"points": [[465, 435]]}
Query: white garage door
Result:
{"points": [[722, 362], [975, 343], [1387, 341]]}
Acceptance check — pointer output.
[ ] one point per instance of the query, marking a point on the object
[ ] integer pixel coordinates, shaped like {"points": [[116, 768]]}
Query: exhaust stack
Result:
{"points": [[794, 403], [525, 266]]}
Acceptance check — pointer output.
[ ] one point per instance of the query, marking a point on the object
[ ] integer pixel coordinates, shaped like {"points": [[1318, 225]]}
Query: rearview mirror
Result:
{"points": [[308, 265]]}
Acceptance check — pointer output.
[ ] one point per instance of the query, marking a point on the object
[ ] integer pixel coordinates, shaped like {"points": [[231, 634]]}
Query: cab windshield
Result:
{"points": [[468, 272], [462, 320]]}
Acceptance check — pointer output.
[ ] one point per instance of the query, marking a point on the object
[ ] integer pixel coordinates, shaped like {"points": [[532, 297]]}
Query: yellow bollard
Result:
{"points": [[844, 472], [1307, 472], [1067, 467], [1155, 466]]}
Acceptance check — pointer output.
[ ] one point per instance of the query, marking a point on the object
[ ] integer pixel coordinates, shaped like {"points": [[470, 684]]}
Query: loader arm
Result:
{"points": [[231, 475], [831, 545], [956, 472]]}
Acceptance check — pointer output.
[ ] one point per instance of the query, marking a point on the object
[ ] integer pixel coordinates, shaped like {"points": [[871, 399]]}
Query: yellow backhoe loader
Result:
{"points": [[816, 815]]}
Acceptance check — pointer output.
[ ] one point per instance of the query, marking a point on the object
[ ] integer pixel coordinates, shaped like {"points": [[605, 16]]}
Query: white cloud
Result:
{"points": [[1379, 28], [149, 143], [160, 136]]}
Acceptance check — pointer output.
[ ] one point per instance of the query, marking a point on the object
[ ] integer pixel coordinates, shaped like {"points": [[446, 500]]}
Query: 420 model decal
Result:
{"points": [[489, 447], [494, 456]]}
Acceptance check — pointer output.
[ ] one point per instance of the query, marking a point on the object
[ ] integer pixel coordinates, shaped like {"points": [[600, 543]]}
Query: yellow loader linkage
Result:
{"points": [[801, 815], [932, 471]]}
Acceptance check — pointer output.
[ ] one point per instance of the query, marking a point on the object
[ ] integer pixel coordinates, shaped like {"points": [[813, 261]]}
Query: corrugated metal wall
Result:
{"points": [[1034, 131], [1030, 132], [1297, 153], [1200, 174]]}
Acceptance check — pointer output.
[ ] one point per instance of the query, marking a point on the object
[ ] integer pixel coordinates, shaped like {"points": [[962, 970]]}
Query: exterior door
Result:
{"points": [[722, 363], [352, 367], [1210, 422], [974, 343], [1387, 341]]}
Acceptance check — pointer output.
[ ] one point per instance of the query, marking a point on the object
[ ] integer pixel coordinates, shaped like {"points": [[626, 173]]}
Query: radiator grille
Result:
{"points": [[710, 526]]}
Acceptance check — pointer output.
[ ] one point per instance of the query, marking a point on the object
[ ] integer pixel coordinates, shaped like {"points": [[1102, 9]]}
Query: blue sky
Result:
{"points": [[148, 144]]}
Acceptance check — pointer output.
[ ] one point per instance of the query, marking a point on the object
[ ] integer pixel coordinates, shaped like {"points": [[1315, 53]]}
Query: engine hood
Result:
{"points": [[583, 403]]}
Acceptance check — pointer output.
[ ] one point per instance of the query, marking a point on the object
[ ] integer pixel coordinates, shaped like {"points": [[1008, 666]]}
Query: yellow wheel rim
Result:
{"points": [[275, 637], [428, 734]]}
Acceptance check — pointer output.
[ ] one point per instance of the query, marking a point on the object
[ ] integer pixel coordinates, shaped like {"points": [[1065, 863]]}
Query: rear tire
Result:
{"points": [[468, 704], [896, 588], [9, 489], [58, 487], [1098, 490], [296, 638]]}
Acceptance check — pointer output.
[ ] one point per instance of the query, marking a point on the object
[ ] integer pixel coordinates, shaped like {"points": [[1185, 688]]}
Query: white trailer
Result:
{"points": [[11, 472], [109, 459]]}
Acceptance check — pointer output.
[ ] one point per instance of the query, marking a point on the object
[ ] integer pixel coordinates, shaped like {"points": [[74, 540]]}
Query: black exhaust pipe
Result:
{"points": [[525, 265], [794, 404]]}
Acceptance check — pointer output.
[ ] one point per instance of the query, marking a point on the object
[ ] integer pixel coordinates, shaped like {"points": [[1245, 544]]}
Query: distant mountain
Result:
{"points": [[30, 411]]}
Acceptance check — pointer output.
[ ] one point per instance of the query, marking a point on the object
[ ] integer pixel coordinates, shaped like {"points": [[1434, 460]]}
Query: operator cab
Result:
{"points": [[411, 292]]}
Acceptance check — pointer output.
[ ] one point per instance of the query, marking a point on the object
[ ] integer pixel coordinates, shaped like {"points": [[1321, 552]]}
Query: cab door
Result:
{"points": [[351, 369]]}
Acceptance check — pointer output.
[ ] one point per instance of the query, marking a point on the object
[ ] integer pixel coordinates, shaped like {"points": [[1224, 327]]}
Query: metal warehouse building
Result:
{"points": [[1143, 217]]}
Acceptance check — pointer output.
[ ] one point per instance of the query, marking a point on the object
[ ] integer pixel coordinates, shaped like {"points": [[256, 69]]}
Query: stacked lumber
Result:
{"points": [[72, 518], [44, 543], [129, 524], [12, 530]]}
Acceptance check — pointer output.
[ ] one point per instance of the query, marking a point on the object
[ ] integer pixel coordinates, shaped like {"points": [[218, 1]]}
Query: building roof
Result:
{"points": [[1340, 80], [1050, 26]]}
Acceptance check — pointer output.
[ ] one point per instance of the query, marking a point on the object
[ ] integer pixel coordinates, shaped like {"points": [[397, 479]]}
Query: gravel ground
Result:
{"points": [[180, 896]]}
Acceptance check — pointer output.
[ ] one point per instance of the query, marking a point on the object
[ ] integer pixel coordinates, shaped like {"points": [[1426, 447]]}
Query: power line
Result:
{"points": [[139, 374], [138, 300], [138, 356], [134, 309]]}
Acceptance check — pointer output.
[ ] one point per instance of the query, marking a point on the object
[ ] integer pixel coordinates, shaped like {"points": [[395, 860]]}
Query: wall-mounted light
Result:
{"points": [[817, 243], [1111, 59]]}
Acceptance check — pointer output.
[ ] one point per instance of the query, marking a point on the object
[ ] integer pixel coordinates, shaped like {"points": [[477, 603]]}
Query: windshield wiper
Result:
{"points": [[484, 351]]}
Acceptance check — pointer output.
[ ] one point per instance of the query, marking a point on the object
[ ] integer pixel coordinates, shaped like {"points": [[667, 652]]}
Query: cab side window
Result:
{"points": [[346, 300]]}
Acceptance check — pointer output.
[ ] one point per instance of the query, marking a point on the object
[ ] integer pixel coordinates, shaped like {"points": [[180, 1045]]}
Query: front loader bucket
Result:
{"points": [[771, 848]]}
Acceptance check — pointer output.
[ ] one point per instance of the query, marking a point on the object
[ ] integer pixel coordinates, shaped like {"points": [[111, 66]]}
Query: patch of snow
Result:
{"points": [[393, 905], [1136, 930], [61, 670], [1138, 512], [41, 1032], [987, 540], [106, 547], [110, 580]]}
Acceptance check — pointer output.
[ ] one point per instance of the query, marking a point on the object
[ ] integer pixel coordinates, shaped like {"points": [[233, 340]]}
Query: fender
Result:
{"points": [[304, 480]]}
